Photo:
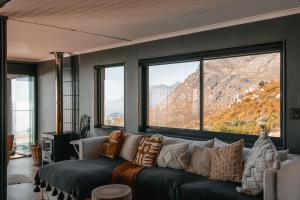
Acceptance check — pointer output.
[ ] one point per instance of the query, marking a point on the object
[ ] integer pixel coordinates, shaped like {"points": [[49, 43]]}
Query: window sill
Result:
{"points": [[109, 128], [207, 135]]}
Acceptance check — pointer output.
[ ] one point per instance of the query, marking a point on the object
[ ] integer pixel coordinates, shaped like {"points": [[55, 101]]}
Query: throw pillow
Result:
{"points": [[130, 146], [218, 143], [148, 150], [112, 147], [227, 162], [174, 156], [200, 162], [263, 157]]}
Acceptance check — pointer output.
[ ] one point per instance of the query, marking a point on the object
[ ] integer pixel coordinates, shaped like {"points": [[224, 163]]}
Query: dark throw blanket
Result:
{"points": [[78, 177]]}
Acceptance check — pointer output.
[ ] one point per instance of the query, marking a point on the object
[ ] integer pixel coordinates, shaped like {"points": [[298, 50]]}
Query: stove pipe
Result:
{"points": [[59, 91]]}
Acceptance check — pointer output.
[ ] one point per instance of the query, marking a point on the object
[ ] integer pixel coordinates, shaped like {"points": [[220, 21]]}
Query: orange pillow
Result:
{"points": [[148, 151], [113, 145]]}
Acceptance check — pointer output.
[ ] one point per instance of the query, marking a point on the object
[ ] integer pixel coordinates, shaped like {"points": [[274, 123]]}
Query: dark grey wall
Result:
{"points": [[255, 33]]}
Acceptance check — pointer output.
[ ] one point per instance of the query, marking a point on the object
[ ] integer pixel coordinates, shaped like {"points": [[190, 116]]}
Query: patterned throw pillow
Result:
{"points": [[200, 162], [174, 156], [227, 162], [148, 151], [112, 147], [263, 156]]}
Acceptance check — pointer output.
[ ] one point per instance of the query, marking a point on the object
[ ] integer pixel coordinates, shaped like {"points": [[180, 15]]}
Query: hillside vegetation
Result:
{"points": [[255, 112]]}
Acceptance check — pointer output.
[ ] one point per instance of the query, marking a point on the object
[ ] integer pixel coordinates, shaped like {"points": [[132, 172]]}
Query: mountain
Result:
{"points": [[256, 111], [160, 92], [226, 82]]}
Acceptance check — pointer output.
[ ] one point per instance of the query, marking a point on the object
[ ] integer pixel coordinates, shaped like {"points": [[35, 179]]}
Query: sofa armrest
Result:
{"points": [[90, 148], [288, 180], [270, 184]]}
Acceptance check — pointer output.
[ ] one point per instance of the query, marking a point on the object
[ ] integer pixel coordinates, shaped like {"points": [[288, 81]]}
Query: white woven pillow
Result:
{"points": [[263, 156], [174, 156]]}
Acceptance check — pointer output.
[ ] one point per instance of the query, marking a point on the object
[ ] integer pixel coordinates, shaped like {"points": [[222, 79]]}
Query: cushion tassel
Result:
{"points": [[61, 196], [43, 184], [69, 197], [54, 193], [37, 189], [48, 188]]}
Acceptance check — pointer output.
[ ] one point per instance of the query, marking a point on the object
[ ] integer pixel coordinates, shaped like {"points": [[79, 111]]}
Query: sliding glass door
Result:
{"points": [[23, 113]]}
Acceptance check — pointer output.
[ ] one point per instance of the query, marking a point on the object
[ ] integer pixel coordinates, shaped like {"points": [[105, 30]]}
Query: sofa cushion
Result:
{"points": [[263, 156], [148, 150], [81, 176], [130, 146], [112, 147], [206, 189], [162, 183], [200, 162], [174, 156], [227, 162], [219, 143]]}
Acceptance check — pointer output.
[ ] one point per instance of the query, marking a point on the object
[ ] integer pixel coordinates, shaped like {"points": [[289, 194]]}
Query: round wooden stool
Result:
{"points": [[112, 192]]}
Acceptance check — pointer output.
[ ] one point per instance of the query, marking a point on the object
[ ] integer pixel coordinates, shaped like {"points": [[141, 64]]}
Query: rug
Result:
{"points": [[13, 179]]}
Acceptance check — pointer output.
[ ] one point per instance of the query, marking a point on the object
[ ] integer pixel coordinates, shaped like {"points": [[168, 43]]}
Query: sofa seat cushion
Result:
{"points": [[206, 189], [162, 183], [79, 177]]}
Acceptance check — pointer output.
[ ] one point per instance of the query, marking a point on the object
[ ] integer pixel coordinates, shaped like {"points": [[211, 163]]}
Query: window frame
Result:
{"points": [[99, 97], [200, 134]]}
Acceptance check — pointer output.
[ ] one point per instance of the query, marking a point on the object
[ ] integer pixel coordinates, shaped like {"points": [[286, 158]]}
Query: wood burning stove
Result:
{"points": [[57, 147]]}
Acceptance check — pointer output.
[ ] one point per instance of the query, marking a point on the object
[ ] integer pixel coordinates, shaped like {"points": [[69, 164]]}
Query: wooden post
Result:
{"points": [[59, 56]]}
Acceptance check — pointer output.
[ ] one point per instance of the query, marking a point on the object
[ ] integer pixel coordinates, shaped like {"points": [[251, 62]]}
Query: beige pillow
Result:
{"points": [[219, 143], [227, 162], [174, 156], [200, 162], [130, 146]]}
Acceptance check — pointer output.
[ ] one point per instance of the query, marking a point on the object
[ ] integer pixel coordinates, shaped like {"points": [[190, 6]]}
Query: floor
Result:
{"points": [[22, 191]]}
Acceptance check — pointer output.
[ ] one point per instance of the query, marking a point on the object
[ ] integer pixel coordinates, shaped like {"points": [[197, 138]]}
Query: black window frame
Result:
{"points": [[202, 56], [99, 97]]}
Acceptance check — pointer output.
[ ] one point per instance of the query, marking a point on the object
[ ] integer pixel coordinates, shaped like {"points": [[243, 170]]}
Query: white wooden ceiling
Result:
{"points": [[37, 27]]}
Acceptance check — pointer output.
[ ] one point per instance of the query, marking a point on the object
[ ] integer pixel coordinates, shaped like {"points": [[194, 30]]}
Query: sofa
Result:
{"points": [[93, 170]]}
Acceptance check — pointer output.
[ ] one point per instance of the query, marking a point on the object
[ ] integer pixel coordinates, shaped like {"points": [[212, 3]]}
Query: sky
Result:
{"points": [[114, 83], [168, 74]]}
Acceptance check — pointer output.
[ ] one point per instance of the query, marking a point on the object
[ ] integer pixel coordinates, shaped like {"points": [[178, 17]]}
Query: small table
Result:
{"points": [[112, 192]]}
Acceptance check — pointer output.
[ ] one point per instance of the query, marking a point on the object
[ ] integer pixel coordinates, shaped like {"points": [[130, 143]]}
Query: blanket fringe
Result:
{"points": [[61, 196], [43, 184], [37, 189], [48, 188], [54, 193]]}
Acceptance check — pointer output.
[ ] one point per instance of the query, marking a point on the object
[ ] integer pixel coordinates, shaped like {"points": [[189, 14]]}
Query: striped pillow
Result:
{"points": [[148, 150]]}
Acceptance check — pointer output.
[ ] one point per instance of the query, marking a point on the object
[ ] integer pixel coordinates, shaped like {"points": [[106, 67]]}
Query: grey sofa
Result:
{"points": [[283, 184], [92, 170]]}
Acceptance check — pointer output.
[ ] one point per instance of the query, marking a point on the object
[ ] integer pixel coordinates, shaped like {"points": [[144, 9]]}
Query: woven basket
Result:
{"points": [[36, 153]]}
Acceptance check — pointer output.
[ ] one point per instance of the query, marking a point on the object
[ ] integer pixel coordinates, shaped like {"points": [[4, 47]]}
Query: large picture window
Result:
{"points": [[110, 93], [228, 92]]}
